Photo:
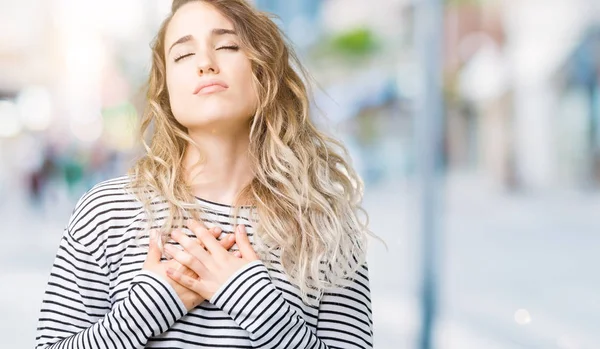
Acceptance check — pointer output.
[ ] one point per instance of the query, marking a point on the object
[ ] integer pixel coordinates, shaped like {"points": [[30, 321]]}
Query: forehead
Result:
{"points": [[195, 18]]}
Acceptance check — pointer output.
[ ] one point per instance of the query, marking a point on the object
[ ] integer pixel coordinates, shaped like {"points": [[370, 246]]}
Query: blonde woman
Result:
{"points": [[239, 227]]}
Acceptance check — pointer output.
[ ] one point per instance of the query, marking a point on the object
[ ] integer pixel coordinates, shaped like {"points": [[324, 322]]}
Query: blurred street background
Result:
{"points": [[517, 230]]}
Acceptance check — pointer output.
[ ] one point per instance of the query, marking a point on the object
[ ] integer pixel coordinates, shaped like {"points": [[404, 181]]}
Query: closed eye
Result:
{"points": [[231, 47], [183, 56]]}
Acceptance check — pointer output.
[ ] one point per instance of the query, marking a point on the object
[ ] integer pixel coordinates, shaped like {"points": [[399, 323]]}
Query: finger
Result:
{"points": [[209, 241], [238, 254], [228, 241], [192, 246], [244, 243], [186, 260], [186, 281], [215, 231], [195, 226], [178, 232], [172, 263], [154, 253]]}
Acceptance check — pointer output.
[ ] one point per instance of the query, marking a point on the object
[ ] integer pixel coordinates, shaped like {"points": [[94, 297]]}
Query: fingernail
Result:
{"points": [[242, 229], [231, 237], [175, 233], [217, 230]]}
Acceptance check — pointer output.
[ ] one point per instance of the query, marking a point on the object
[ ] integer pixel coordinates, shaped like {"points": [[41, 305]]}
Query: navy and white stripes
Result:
{"points": [[98, 296]]}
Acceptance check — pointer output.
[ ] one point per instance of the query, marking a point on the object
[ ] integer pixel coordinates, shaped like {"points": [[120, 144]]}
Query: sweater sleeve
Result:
{"points": [[256, 305], [345, 315], [77, 312]]}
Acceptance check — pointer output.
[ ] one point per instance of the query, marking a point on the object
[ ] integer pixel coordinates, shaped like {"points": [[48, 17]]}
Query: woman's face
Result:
{"points": [[209, 77]]}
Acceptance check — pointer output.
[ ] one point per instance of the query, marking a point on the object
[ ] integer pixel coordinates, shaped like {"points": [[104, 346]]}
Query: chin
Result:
{"points": [[213, 121]]}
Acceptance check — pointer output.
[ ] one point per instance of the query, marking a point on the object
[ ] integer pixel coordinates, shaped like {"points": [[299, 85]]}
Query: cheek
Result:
{"points": [[246, 73], [179, 86], [246, 82], [175, 80]]}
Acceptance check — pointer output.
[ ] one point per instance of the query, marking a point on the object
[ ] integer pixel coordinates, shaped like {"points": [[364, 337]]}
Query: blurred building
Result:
{"points": [[578, 139], [504, 116]]}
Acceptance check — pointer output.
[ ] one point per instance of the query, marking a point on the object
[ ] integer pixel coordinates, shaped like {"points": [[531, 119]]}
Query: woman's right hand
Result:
{"points": [[153, 263]]}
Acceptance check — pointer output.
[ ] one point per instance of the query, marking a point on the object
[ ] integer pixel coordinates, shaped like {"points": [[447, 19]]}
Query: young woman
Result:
{"points": [[239, 227]]}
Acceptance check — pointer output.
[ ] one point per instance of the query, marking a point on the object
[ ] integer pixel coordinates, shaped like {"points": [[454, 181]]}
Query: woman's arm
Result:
{"points": [[77, 312], [345, 317], [242, 287], [251, 299]]}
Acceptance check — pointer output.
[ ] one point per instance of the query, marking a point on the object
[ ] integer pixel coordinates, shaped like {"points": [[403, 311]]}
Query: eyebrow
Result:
{"points": [[214, 32]]}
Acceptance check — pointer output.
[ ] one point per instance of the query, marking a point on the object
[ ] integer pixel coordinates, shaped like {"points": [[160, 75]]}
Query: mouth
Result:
{"points": [[210, 87]]}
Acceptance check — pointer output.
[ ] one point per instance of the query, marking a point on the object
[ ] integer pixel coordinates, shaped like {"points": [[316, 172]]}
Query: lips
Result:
{"points": [[210, 86]]}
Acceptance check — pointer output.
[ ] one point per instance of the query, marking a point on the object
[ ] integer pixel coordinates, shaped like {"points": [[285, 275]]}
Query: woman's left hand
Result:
{"points": [[213, 265]]}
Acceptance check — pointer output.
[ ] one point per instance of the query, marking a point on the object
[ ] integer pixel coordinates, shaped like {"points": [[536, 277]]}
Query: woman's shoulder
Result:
{"points": [[102, 201], [106, 192]]}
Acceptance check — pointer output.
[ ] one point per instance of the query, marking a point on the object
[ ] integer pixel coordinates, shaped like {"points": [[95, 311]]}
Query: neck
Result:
{"points": [[224, 169]]}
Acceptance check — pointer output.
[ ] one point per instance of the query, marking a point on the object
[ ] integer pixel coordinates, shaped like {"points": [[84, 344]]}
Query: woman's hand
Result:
{"points": [[214, 265], [154, 264]]}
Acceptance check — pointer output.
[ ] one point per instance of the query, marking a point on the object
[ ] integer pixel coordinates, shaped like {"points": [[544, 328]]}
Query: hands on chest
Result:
{"points": [[204, 264]]}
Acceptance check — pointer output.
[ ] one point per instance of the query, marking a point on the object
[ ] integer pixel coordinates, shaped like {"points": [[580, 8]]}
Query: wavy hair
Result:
{"points": [[305, 194]]}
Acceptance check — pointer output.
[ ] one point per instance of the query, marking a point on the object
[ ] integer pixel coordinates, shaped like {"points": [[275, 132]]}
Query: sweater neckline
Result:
{"points": [[223, 206]]}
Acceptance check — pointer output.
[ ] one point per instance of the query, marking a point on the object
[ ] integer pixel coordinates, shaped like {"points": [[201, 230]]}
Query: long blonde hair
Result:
{"points": [[305, 194]]}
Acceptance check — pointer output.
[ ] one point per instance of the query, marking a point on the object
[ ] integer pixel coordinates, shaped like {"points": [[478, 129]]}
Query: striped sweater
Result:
{"points": [[98, 296]]}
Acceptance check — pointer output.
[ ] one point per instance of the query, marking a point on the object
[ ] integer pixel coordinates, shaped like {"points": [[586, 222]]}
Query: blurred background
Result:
{"points": [[503, 253]]}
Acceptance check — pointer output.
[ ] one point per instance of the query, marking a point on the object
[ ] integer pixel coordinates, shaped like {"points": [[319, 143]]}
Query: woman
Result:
{"points": [[238, 228]]}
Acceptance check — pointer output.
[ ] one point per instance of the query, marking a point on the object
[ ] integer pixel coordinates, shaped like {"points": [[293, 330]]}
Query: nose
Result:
{"points": [[207, 64]]}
